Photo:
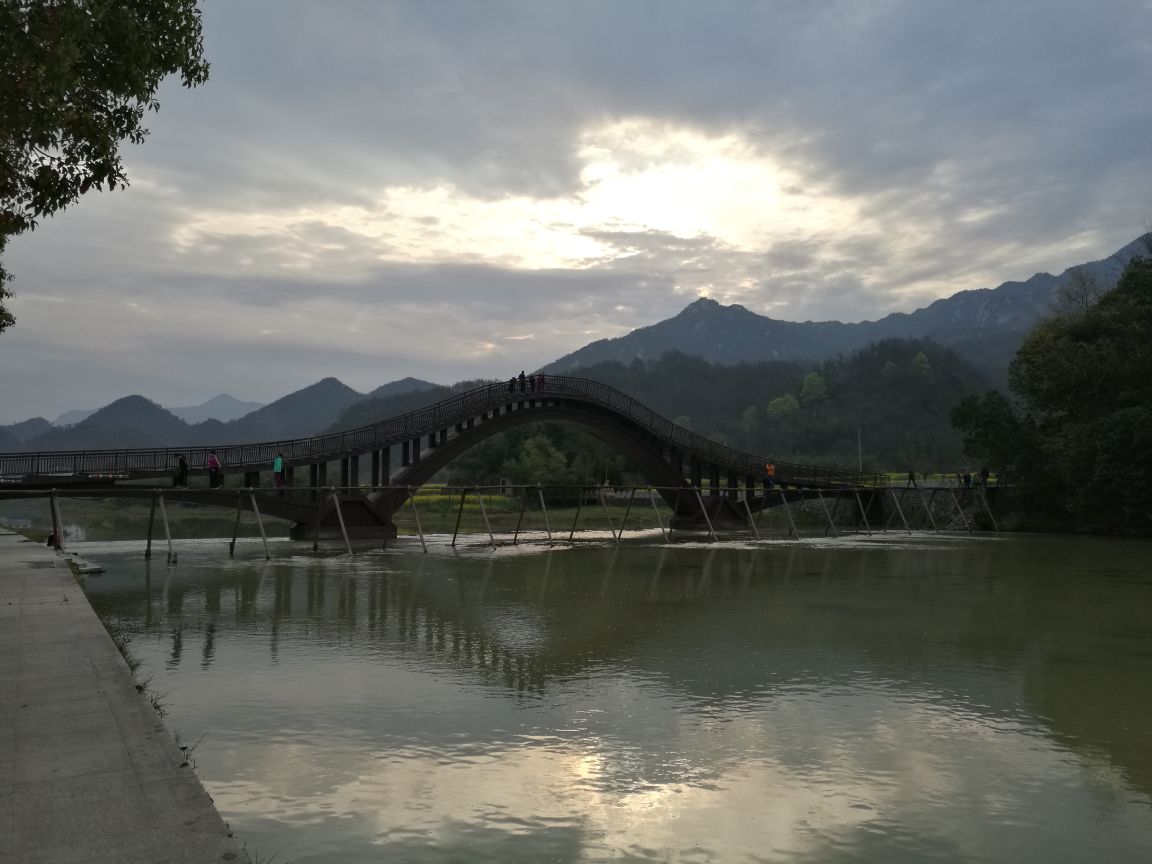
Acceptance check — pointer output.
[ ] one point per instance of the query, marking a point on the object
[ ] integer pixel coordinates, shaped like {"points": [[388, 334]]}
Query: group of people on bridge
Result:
{"points": [[526, 382]]}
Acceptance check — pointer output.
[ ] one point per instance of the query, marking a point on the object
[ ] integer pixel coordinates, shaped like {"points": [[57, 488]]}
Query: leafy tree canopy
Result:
{"points": [[75, 81], [1081, 440]]}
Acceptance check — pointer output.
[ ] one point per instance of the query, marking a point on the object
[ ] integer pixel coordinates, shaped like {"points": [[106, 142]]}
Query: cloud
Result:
{"points": [[359, 182]]}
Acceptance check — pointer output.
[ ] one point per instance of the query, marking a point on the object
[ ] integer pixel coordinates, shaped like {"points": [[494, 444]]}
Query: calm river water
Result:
{"points": [[983, 699]]}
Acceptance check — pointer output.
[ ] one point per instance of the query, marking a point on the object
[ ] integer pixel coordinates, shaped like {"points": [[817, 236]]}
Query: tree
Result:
{"points": [[782, 406], [1077, 295], [75, 82], [921, 368], [813, 389], [539, 461], [1082, 442]]}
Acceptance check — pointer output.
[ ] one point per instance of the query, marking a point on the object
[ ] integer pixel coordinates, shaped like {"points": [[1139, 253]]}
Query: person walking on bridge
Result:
{"points": [[180, 480], [278, 471], [770, 470], [215, 471]]}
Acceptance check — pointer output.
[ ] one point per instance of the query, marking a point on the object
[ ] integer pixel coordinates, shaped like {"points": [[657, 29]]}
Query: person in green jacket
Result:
{"points": [[278, 469]]}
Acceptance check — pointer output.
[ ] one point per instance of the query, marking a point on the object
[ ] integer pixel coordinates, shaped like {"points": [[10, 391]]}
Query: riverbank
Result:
{"points": [[88, 773]]}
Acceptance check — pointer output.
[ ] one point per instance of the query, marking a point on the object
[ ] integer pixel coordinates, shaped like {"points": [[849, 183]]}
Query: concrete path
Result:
{"points": [[88, 773]]}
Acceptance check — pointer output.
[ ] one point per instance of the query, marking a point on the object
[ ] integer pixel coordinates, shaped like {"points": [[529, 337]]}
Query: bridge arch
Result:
{"points": [[670, 457]]}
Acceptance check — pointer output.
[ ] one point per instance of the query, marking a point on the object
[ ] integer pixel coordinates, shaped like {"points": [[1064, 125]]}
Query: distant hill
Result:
{"points": [[70, 418], [373, 410], [28, 429], [129, 422], [985, 326], [297, 415], [404, 385], [138, 422], [222, 407]]}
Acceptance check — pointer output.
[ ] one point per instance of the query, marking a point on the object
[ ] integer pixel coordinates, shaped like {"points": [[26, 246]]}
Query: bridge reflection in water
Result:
{"points": [[982, 630]]}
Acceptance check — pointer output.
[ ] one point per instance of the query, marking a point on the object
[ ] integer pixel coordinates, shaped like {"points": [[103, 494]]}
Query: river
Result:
{"points": [[888, 699]]}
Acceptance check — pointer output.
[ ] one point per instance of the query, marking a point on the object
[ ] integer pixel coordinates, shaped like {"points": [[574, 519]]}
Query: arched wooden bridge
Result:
{"points": [[671, 458]]}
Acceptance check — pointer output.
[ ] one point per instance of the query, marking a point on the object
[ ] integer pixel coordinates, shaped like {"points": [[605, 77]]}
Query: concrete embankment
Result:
{"points": [[88, 773]]}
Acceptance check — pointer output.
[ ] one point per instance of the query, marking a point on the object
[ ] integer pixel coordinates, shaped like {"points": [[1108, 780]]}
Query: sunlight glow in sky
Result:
{"points": [[637, 176]]}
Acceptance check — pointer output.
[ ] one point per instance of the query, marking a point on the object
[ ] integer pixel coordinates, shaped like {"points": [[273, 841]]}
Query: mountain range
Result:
{"points": [[135, 421], [983, 326]]}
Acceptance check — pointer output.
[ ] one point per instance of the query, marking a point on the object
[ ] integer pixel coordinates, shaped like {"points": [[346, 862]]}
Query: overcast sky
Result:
{"points": [[457, 189]]}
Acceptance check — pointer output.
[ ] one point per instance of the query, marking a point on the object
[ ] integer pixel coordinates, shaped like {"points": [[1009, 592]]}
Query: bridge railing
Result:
{"points": [[422, 421]]}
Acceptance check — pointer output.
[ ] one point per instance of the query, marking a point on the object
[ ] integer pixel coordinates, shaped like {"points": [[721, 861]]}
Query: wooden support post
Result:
{"points": [[928, 508], [375, 469], [520, 521], [151, 522], [416, 516], [960, 510], [57, 522], [484, 512], [260, 522], [899, 510], [354, 471], [459, 516], [831, 524], [314, 484], [607, 515], [576, 520], [675, 510], [863, 513], [707, 518], [345, 476], [892, 515], [316, 534], [751, 521], [544, 509], [340, 519], [988, 509], [656, 512], [167, 530], [627, 510], [788, 510], [236, 524]]}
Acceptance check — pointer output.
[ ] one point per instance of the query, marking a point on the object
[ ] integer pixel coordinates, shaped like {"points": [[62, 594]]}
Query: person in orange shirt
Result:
{"points": [[771, 469]]}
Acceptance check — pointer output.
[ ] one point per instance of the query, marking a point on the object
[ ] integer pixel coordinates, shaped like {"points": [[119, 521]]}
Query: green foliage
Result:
{"points": [[813, 389], [782, 406], [996, 435], [1081, 442], [75, 82], [813, 414], [921, 368], [550, 453]]}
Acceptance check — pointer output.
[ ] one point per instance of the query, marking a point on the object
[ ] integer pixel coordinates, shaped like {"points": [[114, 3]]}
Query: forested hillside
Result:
{"points": [[1078, 443], [894, 398]]}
